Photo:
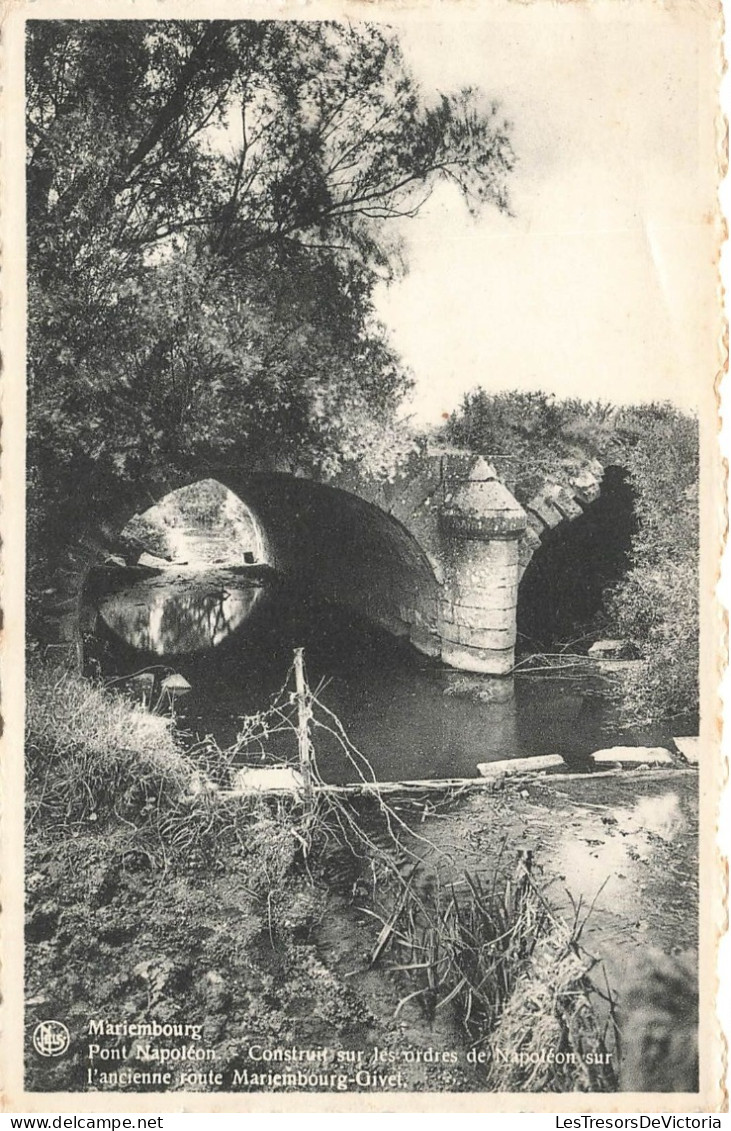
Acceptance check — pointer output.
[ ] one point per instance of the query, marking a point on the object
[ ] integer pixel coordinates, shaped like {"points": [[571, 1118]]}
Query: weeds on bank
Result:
{"points": [[95, 758], [514, 973], [91, 754]]}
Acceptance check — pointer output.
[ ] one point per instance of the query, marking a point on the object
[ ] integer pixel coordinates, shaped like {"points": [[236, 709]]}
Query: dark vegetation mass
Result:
{"points": [[207, 221]]}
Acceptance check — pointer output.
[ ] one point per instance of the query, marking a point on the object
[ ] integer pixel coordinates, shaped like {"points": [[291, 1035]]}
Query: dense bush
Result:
{"points": [[530, 436], [658, 610], [656, 604]]}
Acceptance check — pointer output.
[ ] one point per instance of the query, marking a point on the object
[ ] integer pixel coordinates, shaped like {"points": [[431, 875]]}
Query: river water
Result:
{"points": [[231, 634]]}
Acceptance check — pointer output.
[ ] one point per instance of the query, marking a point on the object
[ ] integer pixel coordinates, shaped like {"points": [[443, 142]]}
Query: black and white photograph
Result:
{"points": [[372, 517]]}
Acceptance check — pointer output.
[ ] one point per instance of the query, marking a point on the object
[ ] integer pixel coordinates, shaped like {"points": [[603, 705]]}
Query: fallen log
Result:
{"points": [[442, 785]]}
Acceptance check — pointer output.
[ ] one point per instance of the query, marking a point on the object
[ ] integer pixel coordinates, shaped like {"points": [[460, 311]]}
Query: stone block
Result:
{"points": [[269, 779], [689, 748], [564, 501], [528, 545], [586, 485], [496, 636], [498, 608], [480, 589], [545, 510], [481, 580], [507, 766], [633, 756], [535, 528], [485, 556], [531, 540], [487, 661]]}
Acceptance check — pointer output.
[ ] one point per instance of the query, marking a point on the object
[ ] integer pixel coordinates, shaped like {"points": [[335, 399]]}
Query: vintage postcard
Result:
{"points": [[362, 517]]}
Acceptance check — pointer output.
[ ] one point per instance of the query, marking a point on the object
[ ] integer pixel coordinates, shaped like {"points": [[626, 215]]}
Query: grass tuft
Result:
{"points": [[517, 978], [92, 754]]}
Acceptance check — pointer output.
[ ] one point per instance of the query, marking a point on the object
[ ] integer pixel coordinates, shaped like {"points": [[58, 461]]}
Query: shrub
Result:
{"points": [[520, 980], [529, 437], [657, 609]]}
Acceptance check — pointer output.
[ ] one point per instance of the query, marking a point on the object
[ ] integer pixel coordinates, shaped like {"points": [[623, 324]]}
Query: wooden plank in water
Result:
{"points": [[520, 765], [437, 785]]}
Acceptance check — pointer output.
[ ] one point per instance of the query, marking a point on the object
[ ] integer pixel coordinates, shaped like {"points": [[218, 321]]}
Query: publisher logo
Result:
{"points": [[51, 1038]]}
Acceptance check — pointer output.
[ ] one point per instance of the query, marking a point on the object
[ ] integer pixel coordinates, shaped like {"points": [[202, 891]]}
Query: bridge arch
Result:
{"points": [[432, 556], [577, 543]]}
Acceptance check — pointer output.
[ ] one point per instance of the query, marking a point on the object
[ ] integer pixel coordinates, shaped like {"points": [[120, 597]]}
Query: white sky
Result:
{"points": [[603, 283]]}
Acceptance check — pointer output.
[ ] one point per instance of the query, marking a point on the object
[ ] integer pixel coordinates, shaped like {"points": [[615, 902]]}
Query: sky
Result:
{"points": [[602, 284]]}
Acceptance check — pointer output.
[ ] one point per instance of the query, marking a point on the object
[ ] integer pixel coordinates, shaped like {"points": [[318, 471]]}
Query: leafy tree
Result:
{"points": [[208, 207]]}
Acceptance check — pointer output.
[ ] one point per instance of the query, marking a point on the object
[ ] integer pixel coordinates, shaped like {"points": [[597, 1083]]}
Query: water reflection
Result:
{"points": [[662, 816], [620, 844], [410, 716], [409, 726], [170, 619]]}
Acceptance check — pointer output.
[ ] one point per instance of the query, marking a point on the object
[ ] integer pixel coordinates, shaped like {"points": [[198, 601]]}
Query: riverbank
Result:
{"points": [[191, 943], [254, 925]]}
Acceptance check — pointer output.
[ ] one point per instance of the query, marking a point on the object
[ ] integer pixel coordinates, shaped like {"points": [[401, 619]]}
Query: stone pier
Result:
{"points": [[482, 526]]}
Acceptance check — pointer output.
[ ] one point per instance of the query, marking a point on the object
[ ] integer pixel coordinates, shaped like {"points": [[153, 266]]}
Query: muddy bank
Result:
{"points": [[244, 981], [258, 954]]}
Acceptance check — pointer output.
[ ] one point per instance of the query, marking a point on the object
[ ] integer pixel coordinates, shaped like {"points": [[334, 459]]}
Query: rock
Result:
{"points": [[688, 748], [508, 766], [633, 755], [269, 779], [176, 685], [155, 561], [613, 650]]}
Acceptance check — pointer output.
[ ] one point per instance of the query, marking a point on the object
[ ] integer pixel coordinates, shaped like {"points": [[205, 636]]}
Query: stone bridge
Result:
{"points": [[435, 556]]}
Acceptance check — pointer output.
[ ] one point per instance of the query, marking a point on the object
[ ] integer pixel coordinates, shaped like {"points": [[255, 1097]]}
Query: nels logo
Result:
{"points": [[51, 1038]]}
